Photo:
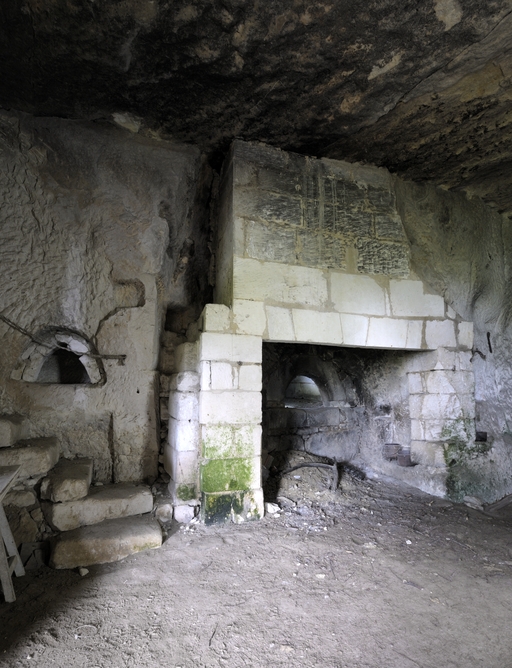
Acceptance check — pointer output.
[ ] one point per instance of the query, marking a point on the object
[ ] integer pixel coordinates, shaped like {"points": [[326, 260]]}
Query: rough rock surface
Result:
{"points": [[103, 543], [12, 429], [423, 88], [68, 481], [36, 456], [462, 249], [103, 235]]}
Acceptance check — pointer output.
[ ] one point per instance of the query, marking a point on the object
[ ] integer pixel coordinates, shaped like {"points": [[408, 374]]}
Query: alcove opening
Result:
{"points": [[64, 368], [302, 391], [59, 356]]}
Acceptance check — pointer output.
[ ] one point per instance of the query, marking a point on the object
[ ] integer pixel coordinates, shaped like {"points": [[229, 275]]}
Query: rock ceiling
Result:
{"points": [[423, 87]]}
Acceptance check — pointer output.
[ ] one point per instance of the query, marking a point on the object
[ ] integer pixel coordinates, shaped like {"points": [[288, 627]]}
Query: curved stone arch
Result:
{"points": [[32, 359], [324, 374]]}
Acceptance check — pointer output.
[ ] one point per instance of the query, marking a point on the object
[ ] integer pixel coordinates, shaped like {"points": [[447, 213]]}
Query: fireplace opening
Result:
{"points": [[331, 404], [312, 410]]}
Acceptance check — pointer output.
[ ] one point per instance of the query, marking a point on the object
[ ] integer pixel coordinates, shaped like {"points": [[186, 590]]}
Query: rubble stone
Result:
{"points": [[24, 528], [68, 481], [184, 514], [12, 429], [20, 498]]}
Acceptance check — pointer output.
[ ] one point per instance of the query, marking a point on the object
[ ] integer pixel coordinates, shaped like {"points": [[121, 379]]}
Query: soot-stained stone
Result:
{"points": [[400, 84]]}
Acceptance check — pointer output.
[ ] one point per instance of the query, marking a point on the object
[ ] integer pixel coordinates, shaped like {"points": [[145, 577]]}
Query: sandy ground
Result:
{"points": [[374, 575]]}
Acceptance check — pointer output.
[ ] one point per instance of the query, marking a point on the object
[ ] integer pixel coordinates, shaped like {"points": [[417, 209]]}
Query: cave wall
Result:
{"points": [[98, 230], [105, 233], [464, 251]]}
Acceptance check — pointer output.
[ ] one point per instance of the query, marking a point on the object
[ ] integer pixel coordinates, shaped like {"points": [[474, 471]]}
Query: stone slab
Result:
{"points": [[249, 317], [103, 503], [279, 324], [227, 475], [12, 429], [281, 284], [185, 357], [230, 347], [181, 466], [185, 381], [36, 456], [235, 408], [342, 445], [351, 293], [250, 377], [465, 334], [408, 299], [387, 333], [68, 481], [183, 435], [183, 406], [228, 441], [112, 540], [316, 327], [440, 333]]}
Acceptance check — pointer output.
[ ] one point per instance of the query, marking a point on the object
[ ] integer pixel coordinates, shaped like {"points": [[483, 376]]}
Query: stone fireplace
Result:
{"points": [[312, 262]]}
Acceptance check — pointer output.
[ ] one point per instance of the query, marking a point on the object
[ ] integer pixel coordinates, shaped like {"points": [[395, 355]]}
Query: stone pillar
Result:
{"points": [[230, 416], [442, 409], [182, 450]]}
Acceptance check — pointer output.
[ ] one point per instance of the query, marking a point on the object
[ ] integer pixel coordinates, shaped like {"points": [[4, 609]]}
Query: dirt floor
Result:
{"points": [[374, 575]]}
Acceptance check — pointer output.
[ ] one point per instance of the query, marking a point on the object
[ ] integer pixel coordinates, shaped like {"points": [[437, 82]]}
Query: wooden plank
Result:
{"points": [[5, 576], [9, 558], [10, 545], [8, 475]]}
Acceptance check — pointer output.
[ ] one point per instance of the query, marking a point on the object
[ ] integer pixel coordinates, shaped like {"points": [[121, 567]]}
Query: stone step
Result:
{"points": [[103, 503], [69, 480], [103, 543], [12, 428], [36, 456]]}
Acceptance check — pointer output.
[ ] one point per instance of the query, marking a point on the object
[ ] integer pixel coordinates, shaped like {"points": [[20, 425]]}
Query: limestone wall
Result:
{"points": [[92, 222], [314, 251], [464, 250]]}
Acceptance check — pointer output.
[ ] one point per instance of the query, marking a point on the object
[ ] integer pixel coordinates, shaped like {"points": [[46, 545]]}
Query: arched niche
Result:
{"points": [[285, 362], [60, 357], [302, 391]]}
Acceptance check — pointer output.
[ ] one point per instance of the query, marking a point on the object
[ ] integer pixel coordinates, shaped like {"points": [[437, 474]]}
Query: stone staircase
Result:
{"points": [[54, 500]]}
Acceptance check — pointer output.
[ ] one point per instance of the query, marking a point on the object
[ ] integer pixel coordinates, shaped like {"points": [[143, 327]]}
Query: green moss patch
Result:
{"points": [[218, 508], [226, 475], [460, 449], [185, 492]]}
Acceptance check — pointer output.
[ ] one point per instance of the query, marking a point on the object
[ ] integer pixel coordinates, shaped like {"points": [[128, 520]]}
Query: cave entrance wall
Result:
{"points": [[310, 252]]}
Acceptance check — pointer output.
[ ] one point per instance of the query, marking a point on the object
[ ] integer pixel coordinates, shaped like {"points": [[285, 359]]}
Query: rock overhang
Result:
{"points": [[421, 88]]}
